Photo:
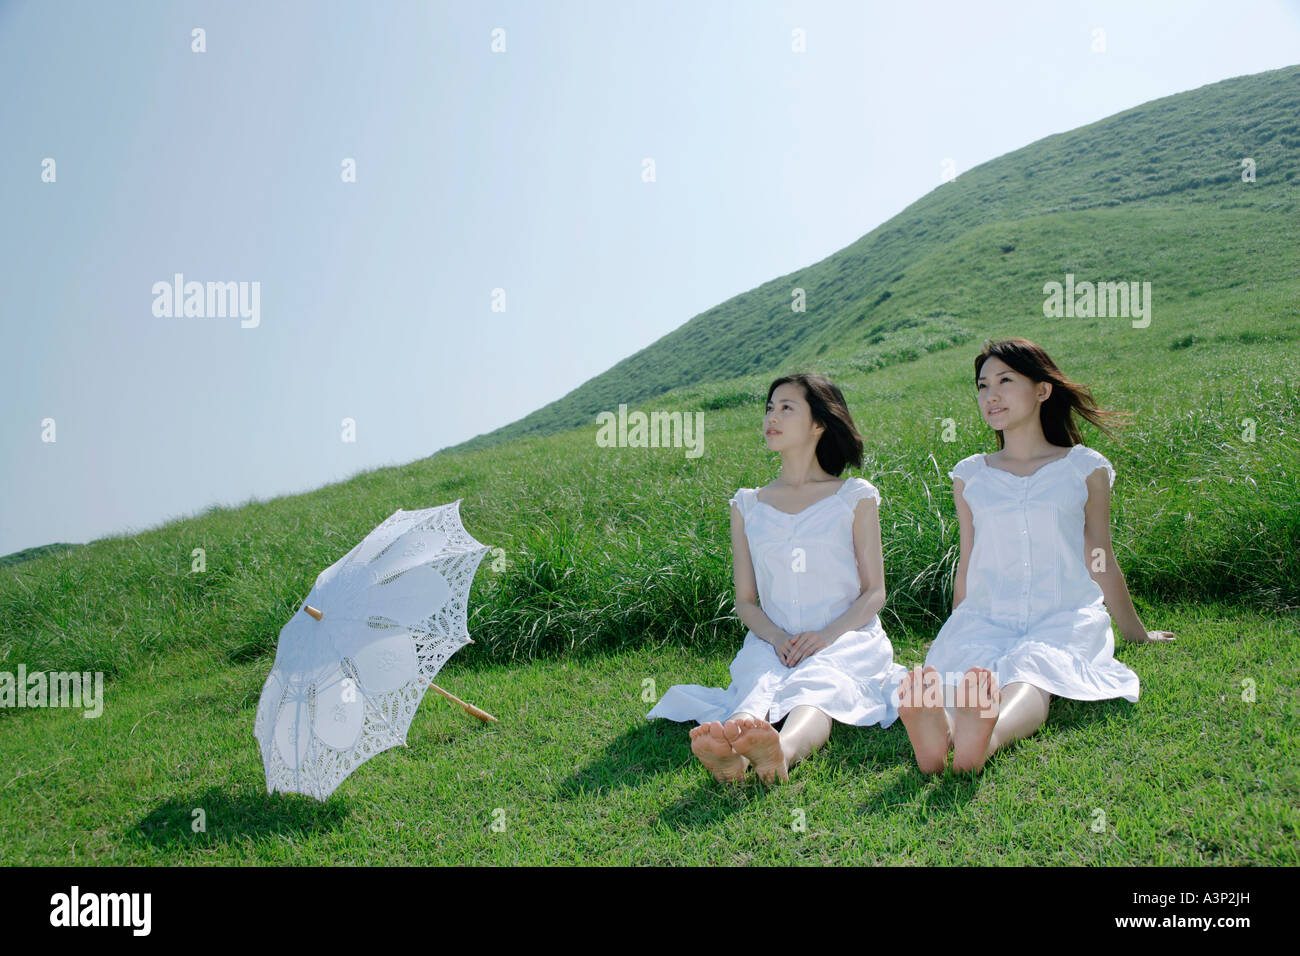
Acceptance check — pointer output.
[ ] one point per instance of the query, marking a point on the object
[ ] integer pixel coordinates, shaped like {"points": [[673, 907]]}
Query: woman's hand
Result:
{"points": [[802, 646]]}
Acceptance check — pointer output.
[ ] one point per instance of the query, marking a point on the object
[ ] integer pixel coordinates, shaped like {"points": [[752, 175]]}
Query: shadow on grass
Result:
{"points": [[1066, 714], [855, 756], [230, 817], [711, 802], [654, 748], [651, 748], [880, 761]]}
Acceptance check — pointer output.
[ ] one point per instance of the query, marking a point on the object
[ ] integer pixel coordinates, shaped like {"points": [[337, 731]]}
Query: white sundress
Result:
{"points": [[1032, 612], [807, 576]]}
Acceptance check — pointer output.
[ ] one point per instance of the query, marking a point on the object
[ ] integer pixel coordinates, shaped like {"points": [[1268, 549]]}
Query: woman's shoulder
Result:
{"points": [[968, 467], [855, 489], [743, 499], [1087, 460]]}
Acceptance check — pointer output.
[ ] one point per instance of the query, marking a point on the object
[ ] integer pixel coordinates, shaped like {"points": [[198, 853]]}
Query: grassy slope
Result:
{"points": [[624, 552], [1182, 153], [605, 545], [28, 554]]}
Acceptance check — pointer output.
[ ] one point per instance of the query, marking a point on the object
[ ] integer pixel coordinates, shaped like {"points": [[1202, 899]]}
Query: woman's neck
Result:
{"points": [[1026, 442], [797, 472]]}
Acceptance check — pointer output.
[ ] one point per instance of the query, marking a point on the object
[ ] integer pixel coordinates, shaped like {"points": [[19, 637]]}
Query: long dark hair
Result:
{"points": [[840, 443], [1057, 411]]}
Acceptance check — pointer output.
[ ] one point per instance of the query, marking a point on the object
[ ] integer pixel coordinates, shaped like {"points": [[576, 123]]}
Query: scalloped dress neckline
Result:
{"points": [[795, 514], [984, 459]]}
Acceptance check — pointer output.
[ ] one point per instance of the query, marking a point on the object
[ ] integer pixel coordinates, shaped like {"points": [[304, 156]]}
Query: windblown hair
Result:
{"points": [[1057, 412], [840, 443]]}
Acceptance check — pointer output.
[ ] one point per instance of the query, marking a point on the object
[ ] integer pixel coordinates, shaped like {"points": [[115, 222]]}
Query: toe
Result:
{"points": [[905, 692]]}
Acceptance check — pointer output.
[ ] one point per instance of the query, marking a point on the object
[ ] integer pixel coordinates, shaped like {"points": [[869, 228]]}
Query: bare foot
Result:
{"points": [[974, 720], [709, 742], [921, 711], [759, 741]]}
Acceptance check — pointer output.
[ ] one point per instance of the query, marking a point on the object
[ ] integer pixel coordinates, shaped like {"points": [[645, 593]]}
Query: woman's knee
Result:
{"points": [[1020, 691], [808, 712]]}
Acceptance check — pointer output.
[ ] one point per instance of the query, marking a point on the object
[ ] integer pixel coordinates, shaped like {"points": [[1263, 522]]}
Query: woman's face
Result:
{"points": [[788, 422], [1008, 399]]}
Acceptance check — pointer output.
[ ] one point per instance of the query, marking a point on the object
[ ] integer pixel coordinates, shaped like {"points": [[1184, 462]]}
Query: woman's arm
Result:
{"points": [[871, 575], [1104, 568], [747, 607], [966, 533]]}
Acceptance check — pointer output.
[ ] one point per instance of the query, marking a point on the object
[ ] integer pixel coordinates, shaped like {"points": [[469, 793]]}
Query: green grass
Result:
{"points": [[612, 547], [614, 568], [582, 778]]}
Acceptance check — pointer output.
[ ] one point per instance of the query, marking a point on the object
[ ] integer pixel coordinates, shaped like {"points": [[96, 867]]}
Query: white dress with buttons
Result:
{"points": [[807, 576], [1032, 612]]}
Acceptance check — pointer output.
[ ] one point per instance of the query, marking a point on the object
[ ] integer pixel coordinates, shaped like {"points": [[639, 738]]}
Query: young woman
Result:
{"points": [[809, 582], [1036, 574]]}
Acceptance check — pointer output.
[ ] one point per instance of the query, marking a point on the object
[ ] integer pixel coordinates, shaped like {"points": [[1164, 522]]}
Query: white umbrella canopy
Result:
{"points": [[353, 664]]}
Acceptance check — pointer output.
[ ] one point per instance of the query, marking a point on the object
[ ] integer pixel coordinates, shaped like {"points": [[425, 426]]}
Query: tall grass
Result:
{"points": [[620, 547]]}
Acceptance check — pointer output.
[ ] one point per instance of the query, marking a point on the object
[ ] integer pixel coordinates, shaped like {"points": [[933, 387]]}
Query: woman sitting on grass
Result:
{"points": [[1035, 577], [809, 582]]}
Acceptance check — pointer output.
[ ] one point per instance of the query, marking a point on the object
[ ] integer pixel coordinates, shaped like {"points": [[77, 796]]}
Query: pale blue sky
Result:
{"points": [[475, 170]]}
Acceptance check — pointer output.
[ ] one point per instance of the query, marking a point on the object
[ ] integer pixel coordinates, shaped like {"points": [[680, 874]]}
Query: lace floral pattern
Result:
{"points": [[347, 687]]}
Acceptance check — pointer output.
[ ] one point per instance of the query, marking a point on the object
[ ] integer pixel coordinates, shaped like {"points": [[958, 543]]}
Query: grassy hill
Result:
{"points": [[27, 554], [1179, 156], [616, 567]]}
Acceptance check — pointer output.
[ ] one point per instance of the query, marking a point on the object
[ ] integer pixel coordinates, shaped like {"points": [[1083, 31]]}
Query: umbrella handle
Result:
{"points": [[482, 715]]}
